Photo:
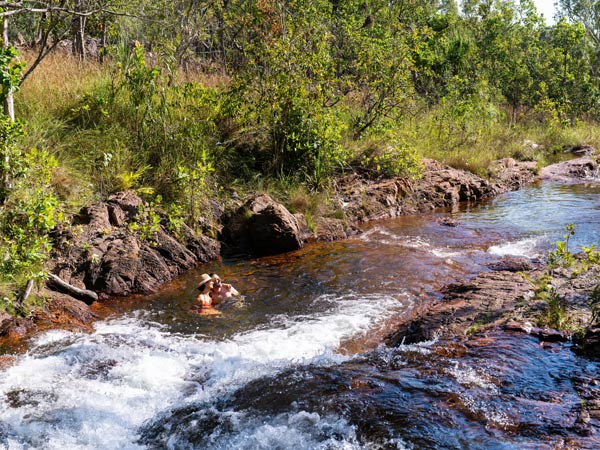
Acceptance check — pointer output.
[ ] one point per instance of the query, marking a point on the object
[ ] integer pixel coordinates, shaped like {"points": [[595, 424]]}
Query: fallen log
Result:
{"points": [[60, 285]]}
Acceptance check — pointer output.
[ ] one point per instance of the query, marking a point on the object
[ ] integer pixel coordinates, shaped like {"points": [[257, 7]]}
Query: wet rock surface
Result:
{"points": [[505, 299], [503, 302], [490, 299], [65, 312], [15, 327], [366, 200], [580, 170]]}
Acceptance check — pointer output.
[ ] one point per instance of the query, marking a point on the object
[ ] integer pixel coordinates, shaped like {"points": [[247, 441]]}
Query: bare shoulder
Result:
{"points": [[230, 289]]}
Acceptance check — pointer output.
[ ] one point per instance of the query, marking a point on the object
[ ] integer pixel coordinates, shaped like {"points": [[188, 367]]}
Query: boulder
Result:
{"points": [[261, 227], [510, 175], [127, 202], [589, 343], [14, 326], [62, 311]]}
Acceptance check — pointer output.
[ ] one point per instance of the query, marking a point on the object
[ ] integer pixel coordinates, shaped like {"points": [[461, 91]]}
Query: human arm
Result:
{"points": [[231, 291]]}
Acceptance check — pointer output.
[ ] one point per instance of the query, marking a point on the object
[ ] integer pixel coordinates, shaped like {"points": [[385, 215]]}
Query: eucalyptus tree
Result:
{"points": [[587, 12]]}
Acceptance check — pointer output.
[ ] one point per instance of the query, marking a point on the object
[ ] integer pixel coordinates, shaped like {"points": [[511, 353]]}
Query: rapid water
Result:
{"points": [[298, 362]]}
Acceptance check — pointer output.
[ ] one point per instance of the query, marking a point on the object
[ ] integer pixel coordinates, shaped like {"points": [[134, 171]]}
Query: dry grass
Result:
{"points": [[59, 80]]}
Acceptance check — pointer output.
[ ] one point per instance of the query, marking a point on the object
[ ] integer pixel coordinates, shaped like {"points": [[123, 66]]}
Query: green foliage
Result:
{"points": [[562, 257], [281, 98], [147, 222], [592, 256], [556, 314], [11, 162], [10, 71], [594, 304], [194, 184], [217, 95], [392, 158], [130, 180], [29, 214]]}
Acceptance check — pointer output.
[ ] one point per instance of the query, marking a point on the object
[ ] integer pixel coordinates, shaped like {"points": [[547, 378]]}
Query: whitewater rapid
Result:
{"points": [[95, 391]]}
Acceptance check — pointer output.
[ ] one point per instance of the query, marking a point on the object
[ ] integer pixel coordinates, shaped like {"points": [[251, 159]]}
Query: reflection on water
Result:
{"points": [[297, 362]]}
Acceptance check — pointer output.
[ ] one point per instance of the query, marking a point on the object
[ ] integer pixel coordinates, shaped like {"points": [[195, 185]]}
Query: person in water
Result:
{"points": [[221, 291], [204, 298]]}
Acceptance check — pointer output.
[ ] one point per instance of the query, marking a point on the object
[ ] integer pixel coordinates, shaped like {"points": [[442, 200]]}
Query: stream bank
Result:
{"points": [[100, 253]]}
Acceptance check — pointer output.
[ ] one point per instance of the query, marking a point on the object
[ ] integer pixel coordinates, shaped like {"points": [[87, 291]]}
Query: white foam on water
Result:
{"points": [[383, 236], [494, 416], [446, 253], [528, 247], [299, 431], [468, 376], [479, 404], [94, 391]]}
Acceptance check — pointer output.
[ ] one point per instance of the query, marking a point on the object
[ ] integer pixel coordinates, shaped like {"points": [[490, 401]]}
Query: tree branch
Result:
{"points": [[18, 8], [81, 294]]}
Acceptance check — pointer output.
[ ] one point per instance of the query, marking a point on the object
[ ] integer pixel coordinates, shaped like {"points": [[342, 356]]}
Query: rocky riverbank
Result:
{"points": [[507, 295], [516, 294], [117, 247]]}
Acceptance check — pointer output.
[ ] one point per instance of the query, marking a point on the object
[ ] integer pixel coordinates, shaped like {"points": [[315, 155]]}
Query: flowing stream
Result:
{"points": [[298, 362]]}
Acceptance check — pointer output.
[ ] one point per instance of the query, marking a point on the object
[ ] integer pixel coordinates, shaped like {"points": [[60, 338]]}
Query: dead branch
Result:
{"points": [[84, 295]]}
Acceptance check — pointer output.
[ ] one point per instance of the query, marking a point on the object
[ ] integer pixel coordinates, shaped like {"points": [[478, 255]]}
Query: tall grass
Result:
{"points": [[76, 112], [60, 80], [485, 142]]}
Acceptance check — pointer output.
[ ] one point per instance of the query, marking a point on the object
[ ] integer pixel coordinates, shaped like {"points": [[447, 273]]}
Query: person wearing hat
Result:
{"points": [[206, 283]]}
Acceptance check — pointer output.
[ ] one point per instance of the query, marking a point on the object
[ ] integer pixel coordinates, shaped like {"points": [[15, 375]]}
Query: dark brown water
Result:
{"points": [[298, 362]]}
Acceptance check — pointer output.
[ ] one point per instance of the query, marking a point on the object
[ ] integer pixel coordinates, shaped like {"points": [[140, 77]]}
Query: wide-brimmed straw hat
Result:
{"points": [[204, 278]]}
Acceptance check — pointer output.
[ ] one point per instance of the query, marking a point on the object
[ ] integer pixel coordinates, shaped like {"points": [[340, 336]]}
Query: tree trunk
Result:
{"points": [[9, 105], [84, 295], [9, 110], [78, 27], [104, 39], [39, 38]]}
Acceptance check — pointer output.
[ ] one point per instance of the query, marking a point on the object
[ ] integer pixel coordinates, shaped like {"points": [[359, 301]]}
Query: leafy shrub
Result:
{"points": [[395, 158], [562, 256]]}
